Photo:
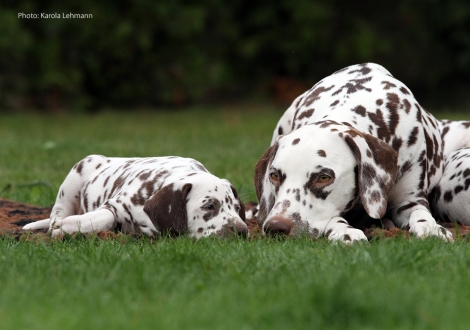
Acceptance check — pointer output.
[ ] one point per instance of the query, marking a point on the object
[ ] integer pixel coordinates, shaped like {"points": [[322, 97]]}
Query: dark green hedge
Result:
{"points": [[143, 52]]}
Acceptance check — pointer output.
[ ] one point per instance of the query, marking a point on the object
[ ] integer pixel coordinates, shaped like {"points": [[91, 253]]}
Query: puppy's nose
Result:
{"points": [[239, 228], [278, 225]]}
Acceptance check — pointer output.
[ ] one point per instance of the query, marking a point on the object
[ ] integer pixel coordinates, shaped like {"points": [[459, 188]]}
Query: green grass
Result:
{"points": [[209, 284], [37, 151], [214, 284]]}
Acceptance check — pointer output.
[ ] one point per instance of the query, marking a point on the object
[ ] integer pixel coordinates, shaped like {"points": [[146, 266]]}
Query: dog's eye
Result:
{"points": [[324, 178], [274, 177], [208, 207]]}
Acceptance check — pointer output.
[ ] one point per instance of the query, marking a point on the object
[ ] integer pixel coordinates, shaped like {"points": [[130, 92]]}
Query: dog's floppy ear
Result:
{"points": [[261, 167], [377, 170], [241, 211], [167, 209], [260, 175]]}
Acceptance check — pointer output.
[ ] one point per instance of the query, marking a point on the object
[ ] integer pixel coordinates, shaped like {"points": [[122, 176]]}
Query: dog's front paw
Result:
{"points": [[340, 231], [422, 226], [425, 229]]}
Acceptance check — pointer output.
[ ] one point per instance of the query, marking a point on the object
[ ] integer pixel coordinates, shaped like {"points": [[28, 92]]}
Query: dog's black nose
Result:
{"points": [[278, 225], [241, 229]]}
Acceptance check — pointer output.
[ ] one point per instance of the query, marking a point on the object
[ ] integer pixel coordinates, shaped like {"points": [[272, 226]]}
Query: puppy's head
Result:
{"points": [[319, 172], [200, 206]]}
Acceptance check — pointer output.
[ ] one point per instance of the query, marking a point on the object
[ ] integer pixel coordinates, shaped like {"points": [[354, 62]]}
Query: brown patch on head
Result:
{"points": [[321, 153], [167, 209], [261, 167], [316, 185], [212, 208], [295, 141]]}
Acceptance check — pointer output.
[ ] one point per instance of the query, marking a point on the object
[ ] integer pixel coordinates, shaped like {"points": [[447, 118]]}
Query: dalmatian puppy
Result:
{"points": [[356, 139], [166, 195]]}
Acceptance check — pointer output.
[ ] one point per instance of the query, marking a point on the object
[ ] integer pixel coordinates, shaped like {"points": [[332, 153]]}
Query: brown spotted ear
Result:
{"points": [[260, 174], [167, 209], [241, 211], [261, 167], [377, 170]]}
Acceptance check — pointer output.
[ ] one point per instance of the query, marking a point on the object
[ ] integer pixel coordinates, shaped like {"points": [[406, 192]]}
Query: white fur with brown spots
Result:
{"points": [[169, 195], [358, 138], [450, 199]]}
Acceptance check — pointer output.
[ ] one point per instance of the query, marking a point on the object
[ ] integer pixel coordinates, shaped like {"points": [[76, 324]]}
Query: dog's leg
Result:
{"points": [[422, 224], [37, 225], [338, 229], [67, 202], [410, 209], [99, 220]]}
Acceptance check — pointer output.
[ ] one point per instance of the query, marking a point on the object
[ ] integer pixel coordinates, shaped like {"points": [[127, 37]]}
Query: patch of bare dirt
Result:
{"points": [[14, 215]]}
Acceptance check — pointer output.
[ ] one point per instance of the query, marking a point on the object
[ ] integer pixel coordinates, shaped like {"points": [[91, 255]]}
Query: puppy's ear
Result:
{"points": [[241, 212], [377, 172], [260, 175], [167, 209]]}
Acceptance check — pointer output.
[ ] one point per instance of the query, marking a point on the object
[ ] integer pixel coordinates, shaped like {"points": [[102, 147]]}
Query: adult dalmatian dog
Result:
{"points": [[358, 138], [158, 195], [450, 198]]}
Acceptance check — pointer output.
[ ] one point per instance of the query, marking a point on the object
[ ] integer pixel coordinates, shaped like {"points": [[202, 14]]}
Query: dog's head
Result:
{"points": [[320, 171], [200, 205]]}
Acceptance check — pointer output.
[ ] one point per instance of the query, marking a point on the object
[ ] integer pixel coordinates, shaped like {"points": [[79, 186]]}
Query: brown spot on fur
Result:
{"points": [[413, 136], [360, 110], [79, 167], [405, 91], [388, 85], [448, 196], [315, 94], [295, 141], [306, 114]]}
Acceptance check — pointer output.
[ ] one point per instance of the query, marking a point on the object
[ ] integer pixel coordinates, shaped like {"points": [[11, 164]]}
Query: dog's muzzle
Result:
{"points": [[278, 225], [234, 227]]}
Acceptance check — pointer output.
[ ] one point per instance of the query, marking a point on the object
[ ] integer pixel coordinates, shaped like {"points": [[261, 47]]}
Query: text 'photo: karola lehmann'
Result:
{"points": [[53, 15]]}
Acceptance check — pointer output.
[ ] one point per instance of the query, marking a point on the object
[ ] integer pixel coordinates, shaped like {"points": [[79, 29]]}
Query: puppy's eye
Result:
{"points": [[324, 178], [209, 207], [274, 177]]}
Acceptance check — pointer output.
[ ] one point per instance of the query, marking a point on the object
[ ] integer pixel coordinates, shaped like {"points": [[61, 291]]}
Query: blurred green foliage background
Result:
{"points": [[180, 52]]}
